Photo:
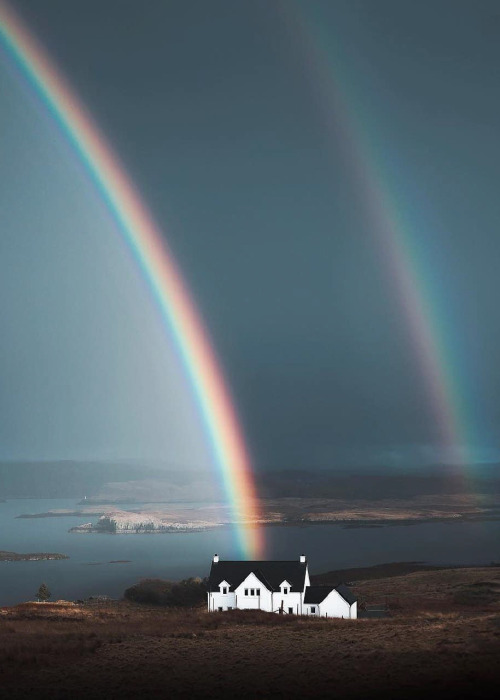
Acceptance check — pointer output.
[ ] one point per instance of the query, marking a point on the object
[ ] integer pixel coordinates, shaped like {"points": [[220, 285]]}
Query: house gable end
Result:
{"points": [[253, 580], [334, 596]]}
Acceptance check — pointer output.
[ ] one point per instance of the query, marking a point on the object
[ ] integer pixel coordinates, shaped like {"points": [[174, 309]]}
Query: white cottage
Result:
{"points": [[275, 586]]}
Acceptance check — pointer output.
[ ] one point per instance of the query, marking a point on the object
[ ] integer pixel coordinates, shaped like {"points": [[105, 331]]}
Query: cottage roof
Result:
{"points": [[346, 593], [270, 573], [317, 594]]}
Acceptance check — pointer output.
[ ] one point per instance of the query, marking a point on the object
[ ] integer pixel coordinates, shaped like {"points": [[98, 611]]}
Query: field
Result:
{"points": [[443, 637]]}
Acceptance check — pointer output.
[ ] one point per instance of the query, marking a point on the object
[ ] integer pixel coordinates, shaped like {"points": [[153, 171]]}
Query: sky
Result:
{"points": [[230, 116]]}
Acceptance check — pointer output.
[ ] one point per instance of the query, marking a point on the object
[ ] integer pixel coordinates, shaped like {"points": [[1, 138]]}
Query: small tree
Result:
{"points": [[43, 593]]}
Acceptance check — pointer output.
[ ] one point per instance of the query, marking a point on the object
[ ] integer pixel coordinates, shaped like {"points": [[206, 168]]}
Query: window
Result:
{"points": [[252, 591], [224, 591], [257, 591], [220, 609], [246, 591], [229, 607], [290, 611], [313, 610], [285, 591]]}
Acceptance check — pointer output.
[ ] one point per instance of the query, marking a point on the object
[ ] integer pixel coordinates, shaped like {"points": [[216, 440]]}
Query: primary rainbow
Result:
{"points": [[159, 269]]}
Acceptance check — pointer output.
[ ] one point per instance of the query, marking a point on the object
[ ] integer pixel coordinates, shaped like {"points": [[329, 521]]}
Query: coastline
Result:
{"points": [[346, 524], [59, 514], [31, 556], [174, 517]]}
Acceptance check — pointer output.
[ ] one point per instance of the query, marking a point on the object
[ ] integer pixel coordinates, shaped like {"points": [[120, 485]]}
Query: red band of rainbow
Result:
{"points": [[159, 269]]}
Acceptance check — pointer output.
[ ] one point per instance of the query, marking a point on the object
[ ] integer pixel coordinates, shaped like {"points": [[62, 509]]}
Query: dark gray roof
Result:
{"points": [[317, 594], [373, 614], [270, 573], [346, 593]]}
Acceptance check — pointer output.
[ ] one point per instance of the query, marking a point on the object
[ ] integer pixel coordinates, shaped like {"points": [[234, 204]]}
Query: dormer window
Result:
{"points": [[285, 590], [224, 587], [285, 587]]}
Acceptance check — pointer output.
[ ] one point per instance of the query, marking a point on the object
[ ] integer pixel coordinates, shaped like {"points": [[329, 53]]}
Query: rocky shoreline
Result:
{"points": [[127, 524]]}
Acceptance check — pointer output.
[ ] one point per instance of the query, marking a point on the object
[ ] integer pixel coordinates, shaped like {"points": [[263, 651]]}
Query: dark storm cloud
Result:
{"points": [[212, 108]]}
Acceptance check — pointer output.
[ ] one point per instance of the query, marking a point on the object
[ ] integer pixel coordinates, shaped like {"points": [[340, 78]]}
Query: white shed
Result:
{"points": [[330, 601]]}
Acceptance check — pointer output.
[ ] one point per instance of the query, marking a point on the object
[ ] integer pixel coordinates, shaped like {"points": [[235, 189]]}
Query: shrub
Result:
{"points": [[154, 591], [43, 593]]}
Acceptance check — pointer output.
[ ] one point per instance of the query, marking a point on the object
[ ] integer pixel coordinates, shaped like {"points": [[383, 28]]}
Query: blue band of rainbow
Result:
{"points": [[159, 269]]}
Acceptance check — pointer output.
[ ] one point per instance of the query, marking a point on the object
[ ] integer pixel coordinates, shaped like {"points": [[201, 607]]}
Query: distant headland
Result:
{"points": [[31, 556]]}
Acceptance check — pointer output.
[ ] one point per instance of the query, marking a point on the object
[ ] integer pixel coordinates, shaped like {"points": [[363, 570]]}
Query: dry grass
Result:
{"points": [[122, 650], [442, 590]]}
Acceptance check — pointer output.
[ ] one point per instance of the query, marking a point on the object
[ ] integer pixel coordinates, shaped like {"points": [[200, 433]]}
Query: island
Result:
{"points": [[347, 512], [31, 556], [62, 513], [120, 522], [154, 518]]}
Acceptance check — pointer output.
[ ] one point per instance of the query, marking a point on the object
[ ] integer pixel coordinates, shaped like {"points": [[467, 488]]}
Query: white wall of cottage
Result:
{"points": [[332, 606], [253, 602]]}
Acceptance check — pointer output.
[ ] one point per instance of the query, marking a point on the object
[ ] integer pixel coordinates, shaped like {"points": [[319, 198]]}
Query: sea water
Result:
{"points": [[89, 570]]}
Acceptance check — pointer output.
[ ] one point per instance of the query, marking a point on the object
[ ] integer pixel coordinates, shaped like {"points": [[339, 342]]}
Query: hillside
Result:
{"points": [[443, 637]]}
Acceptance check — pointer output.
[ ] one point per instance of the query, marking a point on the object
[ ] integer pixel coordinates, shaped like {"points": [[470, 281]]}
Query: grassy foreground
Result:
{"points": [[443, 637]]}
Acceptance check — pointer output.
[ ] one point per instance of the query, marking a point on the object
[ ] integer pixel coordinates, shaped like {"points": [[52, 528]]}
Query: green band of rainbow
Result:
{"points": [[397, 237], [159, 269]]}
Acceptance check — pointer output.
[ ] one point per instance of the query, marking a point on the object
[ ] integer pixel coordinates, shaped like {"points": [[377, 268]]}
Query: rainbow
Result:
{"points": [[159, 269], [396, 236]]}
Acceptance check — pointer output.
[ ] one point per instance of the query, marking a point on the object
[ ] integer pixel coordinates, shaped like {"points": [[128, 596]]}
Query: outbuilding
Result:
{"points": [[330, 601]]}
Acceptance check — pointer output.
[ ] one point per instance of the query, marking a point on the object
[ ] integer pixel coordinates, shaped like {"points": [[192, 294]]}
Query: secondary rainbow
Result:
{"points": [[159, 269], [397, 237]]}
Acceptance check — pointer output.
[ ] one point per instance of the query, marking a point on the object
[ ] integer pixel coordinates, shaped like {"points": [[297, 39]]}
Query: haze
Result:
{"points": [[218, 113]]}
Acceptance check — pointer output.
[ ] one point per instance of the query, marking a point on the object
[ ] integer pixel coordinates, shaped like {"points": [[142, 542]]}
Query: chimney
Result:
{"points": [[302, 559], [216, 558]]}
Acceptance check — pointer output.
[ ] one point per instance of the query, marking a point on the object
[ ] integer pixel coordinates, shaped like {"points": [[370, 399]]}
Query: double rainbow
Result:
{"points": [[160, 271]]}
